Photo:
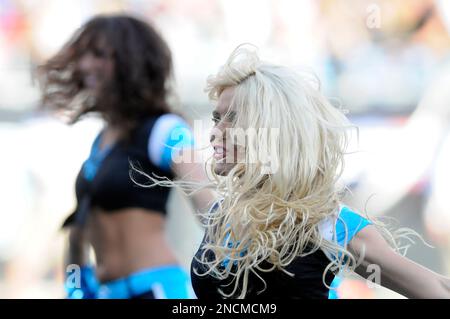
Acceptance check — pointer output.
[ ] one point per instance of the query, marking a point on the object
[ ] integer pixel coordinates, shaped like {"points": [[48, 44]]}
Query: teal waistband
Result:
{"points": [[166, 282]]}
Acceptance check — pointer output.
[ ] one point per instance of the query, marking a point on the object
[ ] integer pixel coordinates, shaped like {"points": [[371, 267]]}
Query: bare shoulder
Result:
{"points": [[369, 237]]}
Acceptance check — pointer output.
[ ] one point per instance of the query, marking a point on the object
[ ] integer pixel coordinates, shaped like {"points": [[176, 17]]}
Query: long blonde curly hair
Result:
{"points": [[276, 216]]}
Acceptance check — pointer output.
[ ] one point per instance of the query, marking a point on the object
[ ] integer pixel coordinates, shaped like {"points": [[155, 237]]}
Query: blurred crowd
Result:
{"points": [[385, 61]]}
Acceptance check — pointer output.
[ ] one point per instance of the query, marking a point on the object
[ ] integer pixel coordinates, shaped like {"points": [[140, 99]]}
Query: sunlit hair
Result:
{"points": [[275, 217]]}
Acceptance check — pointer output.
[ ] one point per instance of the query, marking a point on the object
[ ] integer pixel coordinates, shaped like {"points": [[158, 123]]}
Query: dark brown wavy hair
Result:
{"points": [[142, 72]]}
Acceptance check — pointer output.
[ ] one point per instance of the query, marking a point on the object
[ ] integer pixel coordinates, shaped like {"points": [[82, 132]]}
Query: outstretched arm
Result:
{"points": [[194, 172], [398, 273], [171, 147]]}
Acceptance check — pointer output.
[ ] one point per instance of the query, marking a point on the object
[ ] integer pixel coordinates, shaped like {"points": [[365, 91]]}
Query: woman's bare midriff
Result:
{"points": [[128, 240]]}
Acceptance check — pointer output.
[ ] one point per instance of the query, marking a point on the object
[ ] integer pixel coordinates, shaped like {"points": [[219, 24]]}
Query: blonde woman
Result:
{"points": [[280, 230]]}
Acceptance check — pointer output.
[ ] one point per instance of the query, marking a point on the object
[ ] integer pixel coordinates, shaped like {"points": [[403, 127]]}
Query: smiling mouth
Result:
{"points": [[219, 152]]}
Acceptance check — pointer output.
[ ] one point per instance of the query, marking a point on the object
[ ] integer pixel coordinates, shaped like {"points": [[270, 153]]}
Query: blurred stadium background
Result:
{"points": [[385, 61]]}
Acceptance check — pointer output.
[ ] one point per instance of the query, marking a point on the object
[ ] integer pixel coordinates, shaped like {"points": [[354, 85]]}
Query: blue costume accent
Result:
{"points": [[353, 224], [179, 138], [169, 135], [88, 285], [348, 225], [168, 282], [230, 244], [333, 294], [95, 159]]}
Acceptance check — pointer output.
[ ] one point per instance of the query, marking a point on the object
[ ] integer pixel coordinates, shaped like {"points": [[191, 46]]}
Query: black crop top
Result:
{"points": [[104, 179], [340, 227], [307, 282]]}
